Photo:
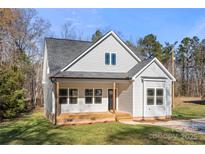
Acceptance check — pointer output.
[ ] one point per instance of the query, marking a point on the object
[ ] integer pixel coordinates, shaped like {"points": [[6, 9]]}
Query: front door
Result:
{"points": [[110, 99]]}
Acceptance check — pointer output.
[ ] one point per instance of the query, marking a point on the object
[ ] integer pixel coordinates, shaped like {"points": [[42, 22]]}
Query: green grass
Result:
{"points": [[188, 111], [33, 128]]}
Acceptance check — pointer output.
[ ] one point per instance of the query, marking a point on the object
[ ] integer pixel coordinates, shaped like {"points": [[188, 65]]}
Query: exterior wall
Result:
{"points": [[94, 61], [48, 89], [123, 93], [154, 110], [139, 87], [125, 97]]}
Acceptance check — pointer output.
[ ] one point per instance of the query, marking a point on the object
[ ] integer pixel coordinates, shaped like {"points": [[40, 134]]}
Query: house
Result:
{"points": [[85, 81]]}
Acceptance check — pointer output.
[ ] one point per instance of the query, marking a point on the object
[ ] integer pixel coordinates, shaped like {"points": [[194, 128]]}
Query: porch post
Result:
{"points": [[114, 98], [57, 98]]}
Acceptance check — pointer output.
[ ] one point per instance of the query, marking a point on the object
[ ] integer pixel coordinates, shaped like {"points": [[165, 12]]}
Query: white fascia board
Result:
{"points": [[124, 45], [172, 77], [95, 44], [160, 64], [142, 69]]}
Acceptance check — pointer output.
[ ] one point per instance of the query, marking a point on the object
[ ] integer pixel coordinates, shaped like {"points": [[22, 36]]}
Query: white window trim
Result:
{"points": [[68, 100], [89, 96], [151, 96], [155, 96], [93, 96], [111, 59], [63, 96], [97, 96]]}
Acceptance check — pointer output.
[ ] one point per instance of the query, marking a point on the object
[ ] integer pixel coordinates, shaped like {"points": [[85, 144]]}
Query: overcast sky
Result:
{"points": [[168, 24]]}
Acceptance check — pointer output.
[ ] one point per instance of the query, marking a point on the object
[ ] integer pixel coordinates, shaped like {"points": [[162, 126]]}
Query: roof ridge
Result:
{"points": [[55, 38]]}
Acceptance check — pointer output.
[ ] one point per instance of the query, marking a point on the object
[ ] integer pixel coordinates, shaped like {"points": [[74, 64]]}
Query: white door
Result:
{"points": [[154, 98]]}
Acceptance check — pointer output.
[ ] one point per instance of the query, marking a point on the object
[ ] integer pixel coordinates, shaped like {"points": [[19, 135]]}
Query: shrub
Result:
{"points": [[11, 92]]}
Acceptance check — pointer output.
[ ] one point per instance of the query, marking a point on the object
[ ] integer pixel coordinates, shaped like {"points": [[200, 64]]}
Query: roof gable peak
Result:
{"points": [[97, 43]]}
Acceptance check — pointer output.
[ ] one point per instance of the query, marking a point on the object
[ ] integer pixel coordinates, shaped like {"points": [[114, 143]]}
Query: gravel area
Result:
{"points": [[193, 125]]}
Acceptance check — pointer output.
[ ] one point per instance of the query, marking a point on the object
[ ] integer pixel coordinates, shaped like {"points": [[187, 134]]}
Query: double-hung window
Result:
{"points": [[98, 96], [155, 96], [107, 58], [110, 58], [73, 96], [150, 96], [93, 95], [159, 96], [88, 96], [113, 58], [63, 96]]}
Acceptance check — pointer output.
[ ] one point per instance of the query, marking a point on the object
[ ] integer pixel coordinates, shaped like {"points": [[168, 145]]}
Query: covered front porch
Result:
{"points": [[91, 101]]}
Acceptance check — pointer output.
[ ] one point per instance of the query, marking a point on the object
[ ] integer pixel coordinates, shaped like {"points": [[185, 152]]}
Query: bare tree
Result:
{"points": [[68, 31]]}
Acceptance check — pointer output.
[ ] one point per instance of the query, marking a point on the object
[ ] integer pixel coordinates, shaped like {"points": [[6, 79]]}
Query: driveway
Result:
{"points": [[193, 125]]}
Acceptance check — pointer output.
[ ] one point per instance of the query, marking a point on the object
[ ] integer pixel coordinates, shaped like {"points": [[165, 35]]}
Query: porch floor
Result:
{"points": [[91, 117]]}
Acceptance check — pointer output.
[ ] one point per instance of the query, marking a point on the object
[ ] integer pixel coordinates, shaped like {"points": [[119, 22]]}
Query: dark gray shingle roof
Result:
{"points": [[61, 52], [138, 67], [91, 75]]}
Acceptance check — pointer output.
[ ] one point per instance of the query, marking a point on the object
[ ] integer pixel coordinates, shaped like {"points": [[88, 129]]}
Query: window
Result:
{"points": [[159, 96], [88, 96], [98, 96], [63, 95], [113, 58], [93, 93], [73, 96], [155, 99], [107, 58], [150, 96], [110, 58]]}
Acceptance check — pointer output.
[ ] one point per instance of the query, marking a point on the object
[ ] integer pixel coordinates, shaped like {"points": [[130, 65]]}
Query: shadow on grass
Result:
{"points": [[31, 132], [200, 102], [150, 135]]}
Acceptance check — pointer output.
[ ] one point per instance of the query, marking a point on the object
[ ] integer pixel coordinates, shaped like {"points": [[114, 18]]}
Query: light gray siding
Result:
{"points": [[123, 100], [48, 89], [81, 106], [94, 61], [139, 90], [125, 97]]}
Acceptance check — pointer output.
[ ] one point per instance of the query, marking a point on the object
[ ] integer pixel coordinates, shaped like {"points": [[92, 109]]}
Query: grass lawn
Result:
{"points": [[188, 111], [33, 128]]}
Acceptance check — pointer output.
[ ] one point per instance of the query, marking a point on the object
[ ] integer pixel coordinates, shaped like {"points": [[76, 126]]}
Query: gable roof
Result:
{"points": [[143, 65], [138, 67], [98, 42], [63, 51]]}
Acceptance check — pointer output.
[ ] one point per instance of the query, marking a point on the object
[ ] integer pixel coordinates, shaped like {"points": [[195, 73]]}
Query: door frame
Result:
{"points": [[145, 95], [116, 99]]}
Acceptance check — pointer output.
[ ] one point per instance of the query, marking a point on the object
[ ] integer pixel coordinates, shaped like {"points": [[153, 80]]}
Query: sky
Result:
{"points": [[169, 25]]}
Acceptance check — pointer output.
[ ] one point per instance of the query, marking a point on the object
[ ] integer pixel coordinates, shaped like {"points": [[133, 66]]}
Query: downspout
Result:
{"points": [[55, 91], [143, 99]]}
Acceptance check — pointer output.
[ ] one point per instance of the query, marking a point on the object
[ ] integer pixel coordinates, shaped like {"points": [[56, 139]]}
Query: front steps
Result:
{"points": [[90, 118]]}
